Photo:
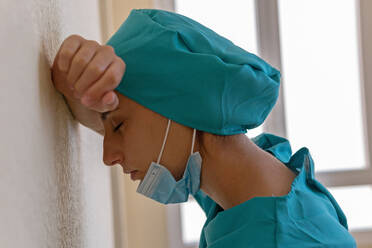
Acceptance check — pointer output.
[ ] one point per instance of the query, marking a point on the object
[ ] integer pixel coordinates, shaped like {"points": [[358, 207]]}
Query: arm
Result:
{"points": [[84, 69], [89, 118]]}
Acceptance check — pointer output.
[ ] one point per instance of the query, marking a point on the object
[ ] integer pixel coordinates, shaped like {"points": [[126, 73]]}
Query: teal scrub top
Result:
{"points": [[308, 216]]}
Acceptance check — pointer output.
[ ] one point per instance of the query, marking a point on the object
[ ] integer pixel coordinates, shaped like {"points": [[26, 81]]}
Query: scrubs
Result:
{"points": [[188, 73], [308, 216]]}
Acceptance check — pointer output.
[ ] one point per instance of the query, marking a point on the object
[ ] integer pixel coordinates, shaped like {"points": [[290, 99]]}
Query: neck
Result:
{"points": [[235, 170]]}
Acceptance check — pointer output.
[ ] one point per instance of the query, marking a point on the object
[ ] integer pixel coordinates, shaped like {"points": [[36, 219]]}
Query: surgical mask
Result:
{"points": [[160, 185]]}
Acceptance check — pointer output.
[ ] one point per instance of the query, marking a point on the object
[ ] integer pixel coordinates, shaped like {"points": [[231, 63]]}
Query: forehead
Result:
{"points": [[126, 108]]}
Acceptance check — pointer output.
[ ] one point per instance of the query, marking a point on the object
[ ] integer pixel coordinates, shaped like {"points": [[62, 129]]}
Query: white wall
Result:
{"points": [[54, 189]]}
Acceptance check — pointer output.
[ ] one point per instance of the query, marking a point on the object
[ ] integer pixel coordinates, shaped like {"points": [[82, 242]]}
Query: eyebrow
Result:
{"points": [[104, 115]]}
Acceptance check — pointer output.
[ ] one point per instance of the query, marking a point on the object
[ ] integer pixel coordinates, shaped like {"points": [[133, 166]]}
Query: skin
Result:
{"points": [[234, 169]]}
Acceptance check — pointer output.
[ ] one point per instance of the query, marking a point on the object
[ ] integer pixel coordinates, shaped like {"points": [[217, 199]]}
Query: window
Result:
{"points": [[323, 105], [321, 81], [356, 205], [324, 97], [192, 220]]}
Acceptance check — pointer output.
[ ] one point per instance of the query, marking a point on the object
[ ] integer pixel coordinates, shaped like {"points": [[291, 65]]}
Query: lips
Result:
{"points": [[130, 171], [127, 171], [133, 175]]}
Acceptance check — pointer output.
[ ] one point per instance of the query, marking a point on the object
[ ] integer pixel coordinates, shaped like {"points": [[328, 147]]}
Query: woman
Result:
{"points": [[175, 120]]}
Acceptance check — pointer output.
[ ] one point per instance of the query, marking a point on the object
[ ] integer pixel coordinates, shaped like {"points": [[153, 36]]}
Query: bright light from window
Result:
{"points": [[234, 19], [356, 203], [321, 81], [193, 218]]}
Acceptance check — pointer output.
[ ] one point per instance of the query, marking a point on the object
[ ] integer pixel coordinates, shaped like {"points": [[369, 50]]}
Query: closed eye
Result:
{"points": [[118, 126]]}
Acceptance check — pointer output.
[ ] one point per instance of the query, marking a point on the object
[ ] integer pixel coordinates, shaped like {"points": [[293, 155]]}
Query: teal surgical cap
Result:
{"points": [[186, 72]]}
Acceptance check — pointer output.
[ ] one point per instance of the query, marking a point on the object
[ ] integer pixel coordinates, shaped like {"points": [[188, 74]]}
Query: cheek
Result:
{"points": [[140, 147]]}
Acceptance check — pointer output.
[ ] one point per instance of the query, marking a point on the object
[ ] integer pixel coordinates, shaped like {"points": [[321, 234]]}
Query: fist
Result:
{"points": [[86, 71]]}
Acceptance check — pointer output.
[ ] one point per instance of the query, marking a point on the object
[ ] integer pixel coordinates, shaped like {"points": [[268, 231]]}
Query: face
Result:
{"points": [[133, 137]]}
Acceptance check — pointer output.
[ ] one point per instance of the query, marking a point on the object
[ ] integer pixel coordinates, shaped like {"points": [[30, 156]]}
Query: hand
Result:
{"points": [[88, 72]]}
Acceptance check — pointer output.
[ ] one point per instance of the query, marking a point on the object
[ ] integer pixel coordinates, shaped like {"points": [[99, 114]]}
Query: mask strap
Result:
{"points": [[165, 139], [193, 141]]}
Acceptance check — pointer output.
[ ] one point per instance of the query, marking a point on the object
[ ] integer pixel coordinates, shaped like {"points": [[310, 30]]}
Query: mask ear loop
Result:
{"points": [[193, 141], [165, 139]]}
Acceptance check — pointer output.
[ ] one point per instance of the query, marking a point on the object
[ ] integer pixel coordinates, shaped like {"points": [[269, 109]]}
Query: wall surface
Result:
{"points": [[54, 189]]}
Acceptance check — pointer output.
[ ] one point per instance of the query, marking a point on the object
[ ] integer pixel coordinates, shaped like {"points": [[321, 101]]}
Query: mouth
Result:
{"points": [[132, 173]]}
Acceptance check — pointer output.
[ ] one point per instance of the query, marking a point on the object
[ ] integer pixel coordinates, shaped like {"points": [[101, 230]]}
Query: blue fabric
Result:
{"points": [[308, 216], [189, 74], [160, 185]]}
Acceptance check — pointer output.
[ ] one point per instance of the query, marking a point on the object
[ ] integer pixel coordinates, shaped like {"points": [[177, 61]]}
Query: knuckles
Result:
{"points": [[119, 71], [95, 70], [108, 49], [82, 61], [67, 50], [112, 75], [121, 63], [112, 80], [91, 43], [73, 37], [66, 54]]}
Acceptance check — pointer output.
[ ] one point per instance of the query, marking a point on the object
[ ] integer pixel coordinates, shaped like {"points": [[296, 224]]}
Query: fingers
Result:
{"points": [[109, 81], [80, 60], [67, 50], [95, 69], [87, 71]]}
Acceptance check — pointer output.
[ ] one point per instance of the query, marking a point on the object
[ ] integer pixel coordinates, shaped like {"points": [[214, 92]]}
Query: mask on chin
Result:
{"points": [[160, 185]]}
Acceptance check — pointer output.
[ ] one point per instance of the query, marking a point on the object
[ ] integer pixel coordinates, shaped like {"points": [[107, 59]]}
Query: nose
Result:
{"points": [[111, 153]]}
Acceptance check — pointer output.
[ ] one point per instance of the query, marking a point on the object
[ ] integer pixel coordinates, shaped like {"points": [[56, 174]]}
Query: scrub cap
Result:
{"points": [[187, 73]]}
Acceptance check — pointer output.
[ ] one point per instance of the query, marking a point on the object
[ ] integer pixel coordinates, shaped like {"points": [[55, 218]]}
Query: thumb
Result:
{"points": [[108, 102]]}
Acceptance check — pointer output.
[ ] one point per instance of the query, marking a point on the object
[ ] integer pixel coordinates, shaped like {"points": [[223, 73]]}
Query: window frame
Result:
{"points": [[269, 48], [268, 28]]}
